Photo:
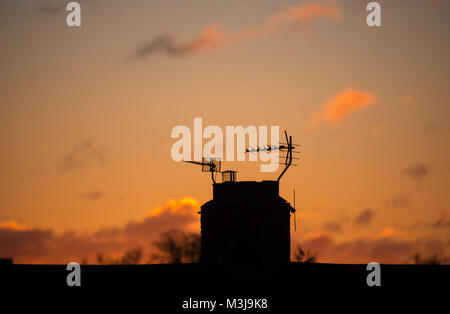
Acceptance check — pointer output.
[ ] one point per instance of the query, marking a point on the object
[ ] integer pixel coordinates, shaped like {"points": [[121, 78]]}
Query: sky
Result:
{"points": [[86, 116]]}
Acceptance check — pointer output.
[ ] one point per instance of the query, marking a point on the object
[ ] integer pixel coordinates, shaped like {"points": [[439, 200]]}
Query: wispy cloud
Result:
{"points": [[166, 43], [340, 107], [390, 232], [376, 131], [213, 37], [333, 226], [417, 172], [49, 9], [93, 195], [365, 217], [401, 200], [431, 128], [442, 222], [302, 13], [82, 155], [408, 99]]}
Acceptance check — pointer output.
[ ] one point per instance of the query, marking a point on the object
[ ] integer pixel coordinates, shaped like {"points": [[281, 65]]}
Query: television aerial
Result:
{"points": [[212, 165], [287, 148]]}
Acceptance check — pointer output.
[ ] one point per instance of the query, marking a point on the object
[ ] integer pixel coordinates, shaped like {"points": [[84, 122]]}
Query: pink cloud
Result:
{"points": [[340, 107], [302, 13], [212, 37]]}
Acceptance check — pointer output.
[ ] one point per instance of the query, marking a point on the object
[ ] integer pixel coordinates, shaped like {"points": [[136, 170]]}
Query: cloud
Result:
{"points": [[378, 130], [408, 99], [431, 128], [35, 245], [166, 43], [402, 200], [340, 107], [302, 13], [365, 217], [82, 155], [175, 207], [442, 222], [26, 245], [93, 195], [333, 226], [388, 247], [212, 37], [13, 225], [49, 9], [417, 172], [432, 4], [390, 232]]}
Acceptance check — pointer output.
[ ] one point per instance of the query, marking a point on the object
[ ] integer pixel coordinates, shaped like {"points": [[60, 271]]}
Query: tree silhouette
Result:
{"points": [[304, 257], [130, 257], [432, 260], [176, 246]]}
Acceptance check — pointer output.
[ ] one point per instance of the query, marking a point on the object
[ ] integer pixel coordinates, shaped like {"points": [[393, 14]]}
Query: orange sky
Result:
{"points": [[87, 113]]}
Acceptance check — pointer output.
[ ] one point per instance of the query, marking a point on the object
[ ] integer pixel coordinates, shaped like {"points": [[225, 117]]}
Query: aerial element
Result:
{"points": [[288, 148], [213, 165]]}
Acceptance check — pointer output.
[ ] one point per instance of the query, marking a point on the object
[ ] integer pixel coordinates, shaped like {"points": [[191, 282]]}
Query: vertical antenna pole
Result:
{"points": [[295, 220], [212, 176], [288, 155]]}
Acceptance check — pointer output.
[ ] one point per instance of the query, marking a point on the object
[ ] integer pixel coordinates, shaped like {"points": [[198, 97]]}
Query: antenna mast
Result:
{"points": [[295, 220], [288, 161]]}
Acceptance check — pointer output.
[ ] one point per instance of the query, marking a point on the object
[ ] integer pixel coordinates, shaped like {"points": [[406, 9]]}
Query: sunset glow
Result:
{"points": [[86, 116]]}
